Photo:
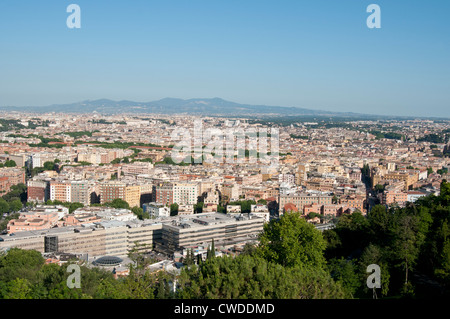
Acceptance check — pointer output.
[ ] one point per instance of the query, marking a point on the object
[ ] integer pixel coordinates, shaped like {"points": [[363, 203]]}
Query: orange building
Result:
{"points": [[31, 221], [354, 201], [391, 197], [9, 177]]}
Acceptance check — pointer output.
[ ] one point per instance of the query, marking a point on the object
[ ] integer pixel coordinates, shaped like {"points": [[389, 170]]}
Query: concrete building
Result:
{"points": [[80, 192], [185, 210], [203, 228], [41, 217]]}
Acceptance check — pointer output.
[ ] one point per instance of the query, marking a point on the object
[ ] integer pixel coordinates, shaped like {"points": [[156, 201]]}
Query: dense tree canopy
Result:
{"points": [[407, 243], [292, 241], [255, 278]]}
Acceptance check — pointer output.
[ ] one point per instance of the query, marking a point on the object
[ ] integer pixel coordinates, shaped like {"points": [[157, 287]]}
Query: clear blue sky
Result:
{"points": [[316, 54]]}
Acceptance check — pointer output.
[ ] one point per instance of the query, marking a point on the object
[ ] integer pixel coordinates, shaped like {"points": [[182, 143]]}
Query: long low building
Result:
{"points": [[203, 228], [105, 238], [118, 238]]}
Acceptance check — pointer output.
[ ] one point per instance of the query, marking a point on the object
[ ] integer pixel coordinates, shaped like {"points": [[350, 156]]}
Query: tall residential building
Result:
{"points": [[116, 189], [61, 191], [111, 190], [167, 193], [163, 193], [80, 192], [38, 191], [185, 193], [133, 195]]}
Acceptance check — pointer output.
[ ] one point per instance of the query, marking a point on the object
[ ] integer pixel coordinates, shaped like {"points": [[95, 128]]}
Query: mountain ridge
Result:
{"points": [[194, 106]]}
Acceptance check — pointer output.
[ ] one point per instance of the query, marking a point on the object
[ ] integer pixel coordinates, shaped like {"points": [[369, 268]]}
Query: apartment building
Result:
{"points": [[163, 193], [38, 191], [356, 201], [80, 192], [299, 200], [395, 197], [137, 168], [116, 189], [185, 193], [408, 178], [10, 176], [61, 191]]}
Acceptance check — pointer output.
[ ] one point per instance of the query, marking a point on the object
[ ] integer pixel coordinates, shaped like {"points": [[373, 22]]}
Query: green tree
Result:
{"points": [[292, 241], [18, 288], [138, 211], [19, 263], [15, 205], [255, 278], [174, 209], [10, 163], [49, 166], [344, 271], [262, 201], [379, 222], [405, 247], [4, 206], [118, 203], [74, 206], [198, 208]]}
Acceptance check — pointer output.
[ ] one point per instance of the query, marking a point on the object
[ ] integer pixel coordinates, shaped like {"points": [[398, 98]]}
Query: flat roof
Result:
{"points": [[207, 219]]}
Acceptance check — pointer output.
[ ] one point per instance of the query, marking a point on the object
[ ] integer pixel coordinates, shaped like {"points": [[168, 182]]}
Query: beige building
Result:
{"points": [[302, 199], [115, 189], [203, 228], [107, 238]]}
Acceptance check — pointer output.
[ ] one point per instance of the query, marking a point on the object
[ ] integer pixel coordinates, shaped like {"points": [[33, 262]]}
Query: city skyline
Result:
{"points": [[319, 56]]}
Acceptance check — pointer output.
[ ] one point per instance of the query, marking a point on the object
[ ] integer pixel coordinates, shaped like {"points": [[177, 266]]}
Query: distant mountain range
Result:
{"points": [[207, 107]]}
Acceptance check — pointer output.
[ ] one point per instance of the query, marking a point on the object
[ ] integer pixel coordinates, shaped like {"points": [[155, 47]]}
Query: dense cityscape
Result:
{"points": [[105, 192], [220, 158]]}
